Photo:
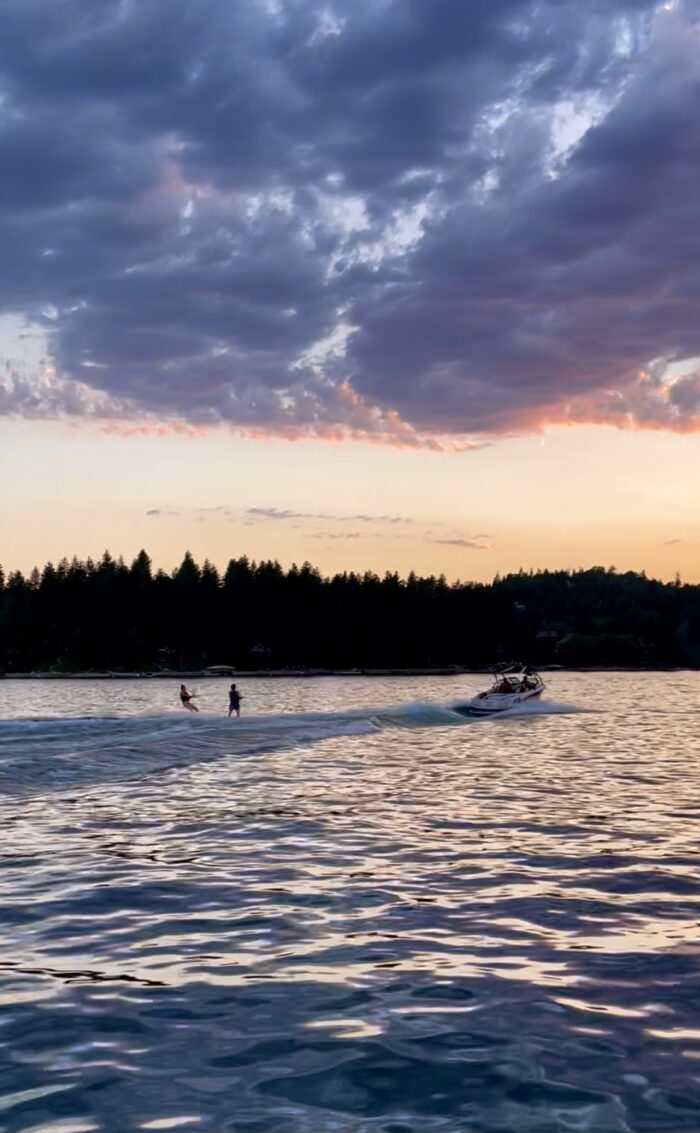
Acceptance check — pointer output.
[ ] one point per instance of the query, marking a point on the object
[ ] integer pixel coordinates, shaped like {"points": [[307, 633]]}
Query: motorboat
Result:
{"points": [[512, 685]]}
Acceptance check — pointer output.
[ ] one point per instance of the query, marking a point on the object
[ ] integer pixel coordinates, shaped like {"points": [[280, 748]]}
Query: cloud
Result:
{"points": [[273, 513], [334, 535], [419, 224], [467, 544], [286, 515]]}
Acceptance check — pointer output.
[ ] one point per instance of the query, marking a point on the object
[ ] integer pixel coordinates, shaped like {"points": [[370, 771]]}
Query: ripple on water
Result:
{"points": [[376, 917]]}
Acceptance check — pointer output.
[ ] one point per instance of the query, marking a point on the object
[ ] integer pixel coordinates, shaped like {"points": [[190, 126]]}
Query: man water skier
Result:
{"points": [[234, 701], [187, 698]]}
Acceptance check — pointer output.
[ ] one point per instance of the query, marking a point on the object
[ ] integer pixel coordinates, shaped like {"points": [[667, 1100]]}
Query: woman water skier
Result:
{"points": [[187, 698]]}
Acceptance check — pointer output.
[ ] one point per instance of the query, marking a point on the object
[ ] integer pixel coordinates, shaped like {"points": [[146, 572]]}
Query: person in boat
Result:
{"points": [[504, 686], [186, 699], [529, 679], [234, 701]]}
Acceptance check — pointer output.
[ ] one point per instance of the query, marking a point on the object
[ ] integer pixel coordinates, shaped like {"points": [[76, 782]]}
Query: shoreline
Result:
{"points": [[300, 674], [237, 674]]}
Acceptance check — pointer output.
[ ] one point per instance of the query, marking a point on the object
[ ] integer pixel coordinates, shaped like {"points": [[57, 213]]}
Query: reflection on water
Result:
{"points": [[350, 910]]}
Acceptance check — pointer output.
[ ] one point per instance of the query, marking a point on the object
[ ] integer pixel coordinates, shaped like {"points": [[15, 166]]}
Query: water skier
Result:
{"points": [[234, 701], [187, 698]]}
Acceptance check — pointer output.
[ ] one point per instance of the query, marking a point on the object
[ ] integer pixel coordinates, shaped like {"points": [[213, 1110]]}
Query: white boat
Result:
{"points": [[512, 685]]}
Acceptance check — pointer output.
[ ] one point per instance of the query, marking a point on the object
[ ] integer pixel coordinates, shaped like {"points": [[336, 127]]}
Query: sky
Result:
{"points": [[379, 284]]}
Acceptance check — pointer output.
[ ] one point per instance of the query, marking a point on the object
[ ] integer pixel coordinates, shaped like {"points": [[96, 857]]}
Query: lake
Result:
{"points": [[352, 909]]}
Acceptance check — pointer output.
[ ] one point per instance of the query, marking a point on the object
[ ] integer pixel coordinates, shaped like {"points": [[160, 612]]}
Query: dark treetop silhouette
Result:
{"points": [[107, 615]]}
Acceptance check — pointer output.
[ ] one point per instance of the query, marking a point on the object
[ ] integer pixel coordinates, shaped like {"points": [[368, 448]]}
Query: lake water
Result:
{"points": [[351, 910]]}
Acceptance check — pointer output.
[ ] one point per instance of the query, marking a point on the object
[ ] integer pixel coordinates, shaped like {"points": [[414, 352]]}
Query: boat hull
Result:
{"points": [[494, 703]]}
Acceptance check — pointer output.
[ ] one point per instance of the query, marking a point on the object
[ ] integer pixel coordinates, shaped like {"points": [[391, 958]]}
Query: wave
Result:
{"points": [[542, 708], [40, 754]]}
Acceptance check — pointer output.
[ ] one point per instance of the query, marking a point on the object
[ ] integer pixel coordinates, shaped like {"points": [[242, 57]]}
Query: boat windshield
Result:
{"points": [[515, 681], [505, 682]]}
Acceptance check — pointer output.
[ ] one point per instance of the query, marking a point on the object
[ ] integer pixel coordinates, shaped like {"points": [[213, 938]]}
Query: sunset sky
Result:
{"points": [[381, 284]]}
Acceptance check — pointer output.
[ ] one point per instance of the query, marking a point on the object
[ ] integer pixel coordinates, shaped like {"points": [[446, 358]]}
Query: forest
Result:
{"points": [[101, 616]]}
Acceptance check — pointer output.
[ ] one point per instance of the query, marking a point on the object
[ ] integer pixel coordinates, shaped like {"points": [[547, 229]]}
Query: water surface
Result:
{"points": [[350, 910]]}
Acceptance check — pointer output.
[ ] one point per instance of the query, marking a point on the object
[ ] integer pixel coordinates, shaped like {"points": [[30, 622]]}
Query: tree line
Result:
{"points": [[107, 615]]}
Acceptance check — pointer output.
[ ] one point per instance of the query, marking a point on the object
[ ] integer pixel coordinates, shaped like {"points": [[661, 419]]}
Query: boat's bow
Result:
{"points": [[512, 685]]}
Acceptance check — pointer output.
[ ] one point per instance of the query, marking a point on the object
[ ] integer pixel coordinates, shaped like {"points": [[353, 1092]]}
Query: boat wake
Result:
{"points": [[525, 708], [46, 754]]}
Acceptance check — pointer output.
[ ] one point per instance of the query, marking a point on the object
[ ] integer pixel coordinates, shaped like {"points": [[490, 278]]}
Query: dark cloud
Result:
{"points": [[396, 221]]}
